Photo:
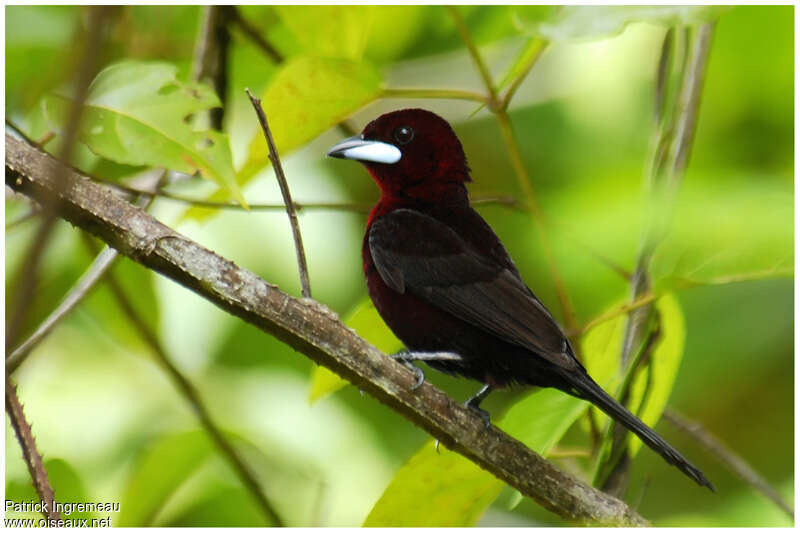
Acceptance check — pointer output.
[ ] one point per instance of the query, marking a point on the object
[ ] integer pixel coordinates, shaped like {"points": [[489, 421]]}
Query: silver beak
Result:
{"points": [[363, 150]]}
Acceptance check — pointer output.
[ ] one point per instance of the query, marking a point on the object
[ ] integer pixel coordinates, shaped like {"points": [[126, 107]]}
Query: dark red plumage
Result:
{"points": [[443, 282]]}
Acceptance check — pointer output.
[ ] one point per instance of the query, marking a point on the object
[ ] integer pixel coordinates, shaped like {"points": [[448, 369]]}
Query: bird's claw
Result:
{"points": [[403, 358], [485, 416]]}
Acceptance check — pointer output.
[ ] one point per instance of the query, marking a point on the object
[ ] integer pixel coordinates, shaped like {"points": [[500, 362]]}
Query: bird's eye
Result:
{"points": [[403, 135]]}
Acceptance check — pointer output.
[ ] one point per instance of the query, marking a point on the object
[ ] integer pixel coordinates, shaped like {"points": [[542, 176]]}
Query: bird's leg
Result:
{"points": [[407, 357], [475, 402]]}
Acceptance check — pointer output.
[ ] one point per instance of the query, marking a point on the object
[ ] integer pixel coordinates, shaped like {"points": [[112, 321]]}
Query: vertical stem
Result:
{"points": [[302, 266], [662, 188]]}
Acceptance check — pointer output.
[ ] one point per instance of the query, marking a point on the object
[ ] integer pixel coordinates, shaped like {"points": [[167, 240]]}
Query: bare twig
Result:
{"points": [[29, 451], [101, 264], [188, 390], [302, 266], [356, 207], [728, 457], [315, 331], [26, 276], [255, 35], [82, 287]]}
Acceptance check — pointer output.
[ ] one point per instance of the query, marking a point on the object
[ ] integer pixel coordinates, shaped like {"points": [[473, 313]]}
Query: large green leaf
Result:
{"points": [[745, 230], [159, 472], [655, 384], [308, 96], [138, 113], [596, 22], [366, 321], [447, 490], [329, 31], [68, 487]]}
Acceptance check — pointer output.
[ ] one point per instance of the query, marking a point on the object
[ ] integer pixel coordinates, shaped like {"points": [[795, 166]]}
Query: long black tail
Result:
{"points": [[586, 388]]}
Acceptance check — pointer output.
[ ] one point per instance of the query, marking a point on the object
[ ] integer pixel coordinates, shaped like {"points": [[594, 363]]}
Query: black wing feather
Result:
{"points": [[416, 253]]}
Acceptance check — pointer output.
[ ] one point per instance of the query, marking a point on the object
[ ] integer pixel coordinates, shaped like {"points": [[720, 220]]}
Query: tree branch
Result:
{"points": [[312, 329], [188, 390], [29, 452]]}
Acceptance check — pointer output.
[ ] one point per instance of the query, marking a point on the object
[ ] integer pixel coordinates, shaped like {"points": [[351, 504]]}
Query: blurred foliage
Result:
{"points": [[111, 425]]}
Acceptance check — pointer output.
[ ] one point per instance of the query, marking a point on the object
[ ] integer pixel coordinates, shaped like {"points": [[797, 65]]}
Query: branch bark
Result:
{"points": [[314, 330], [30, 453]]}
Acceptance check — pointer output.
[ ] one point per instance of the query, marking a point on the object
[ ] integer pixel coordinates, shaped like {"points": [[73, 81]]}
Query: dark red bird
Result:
{"points": [[444, 283]]}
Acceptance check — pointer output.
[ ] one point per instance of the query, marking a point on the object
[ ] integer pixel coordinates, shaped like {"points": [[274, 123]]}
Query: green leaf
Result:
{"points": [[596, 22], [308, 96], [67, 484], [137, 113], [329, 31], [366, 321], [447, 490], [665, 361], [159, 472], [746, 230]]}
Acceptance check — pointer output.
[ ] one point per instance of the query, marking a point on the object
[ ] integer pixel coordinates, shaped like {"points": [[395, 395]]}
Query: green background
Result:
{"points": [[113, 427]]}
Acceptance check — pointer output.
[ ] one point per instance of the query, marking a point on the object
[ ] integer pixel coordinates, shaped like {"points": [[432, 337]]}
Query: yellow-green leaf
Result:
{"points": [[136, 114], [666, 359], [447, 490], [329, 31]]}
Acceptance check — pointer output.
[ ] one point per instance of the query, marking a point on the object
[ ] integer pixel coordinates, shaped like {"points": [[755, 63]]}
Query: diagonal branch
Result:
{"points": [[188, 390], [29, 452], [312, 329]]}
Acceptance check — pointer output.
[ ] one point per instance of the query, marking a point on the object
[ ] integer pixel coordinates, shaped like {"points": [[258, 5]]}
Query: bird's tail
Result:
{"points": [[584, 387]]}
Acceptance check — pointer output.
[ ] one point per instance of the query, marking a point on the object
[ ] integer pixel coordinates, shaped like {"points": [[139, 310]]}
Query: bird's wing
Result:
{"points": [[416, 253]]}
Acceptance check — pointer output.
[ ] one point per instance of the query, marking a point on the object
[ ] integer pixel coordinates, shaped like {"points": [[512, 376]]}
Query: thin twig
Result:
{"points": [[451, 94], [312, 329], [188, 390], [79, 291], [255, 35], [30, 453], [356, 207], [483, 70], [730, 459], [101, 264], [302, 266], [26, 276]]}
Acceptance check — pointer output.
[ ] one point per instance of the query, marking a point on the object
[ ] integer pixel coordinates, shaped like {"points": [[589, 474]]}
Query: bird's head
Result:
{"points": [[410, 153]]}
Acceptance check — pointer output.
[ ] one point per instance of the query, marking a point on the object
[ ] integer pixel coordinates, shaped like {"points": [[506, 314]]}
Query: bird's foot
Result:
{"points": [[407, 357], [475, 402], [485, 416], [405, 360]]}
